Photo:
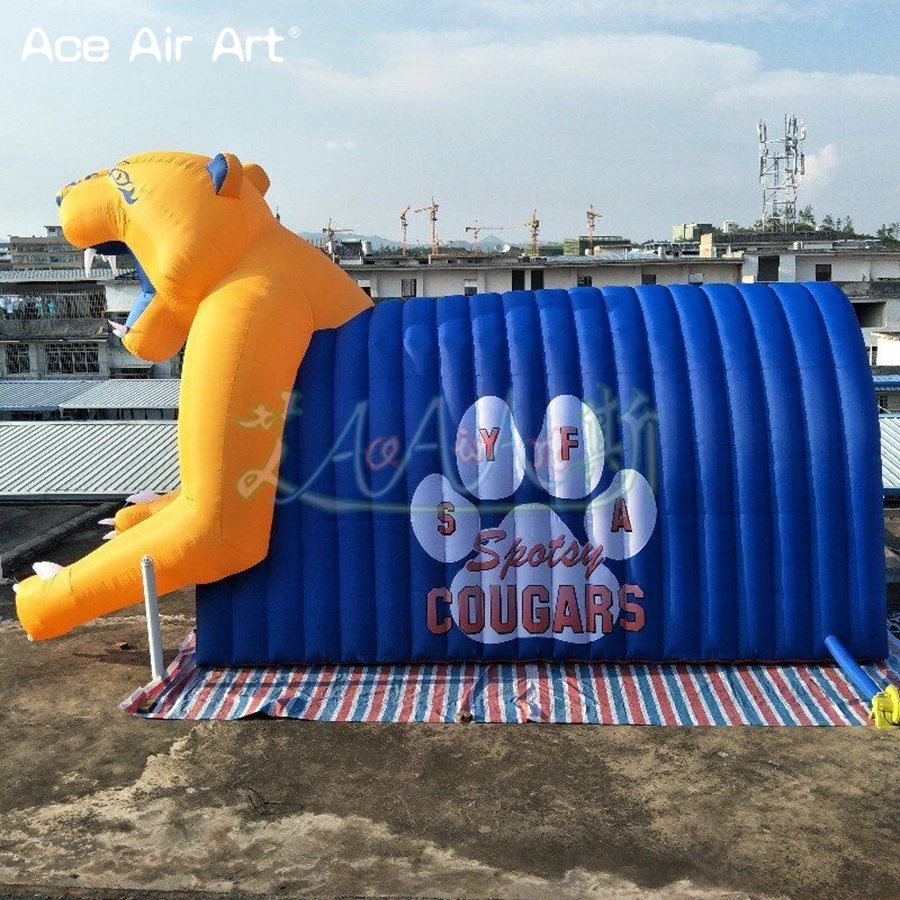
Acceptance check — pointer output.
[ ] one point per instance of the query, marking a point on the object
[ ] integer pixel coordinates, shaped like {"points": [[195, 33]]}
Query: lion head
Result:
{"points": [[187, 220]]}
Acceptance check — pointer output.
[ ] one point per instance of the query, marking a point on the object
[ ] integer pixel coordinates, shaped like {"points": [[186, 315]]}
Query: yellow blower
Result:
{"points": [[221, 274]]}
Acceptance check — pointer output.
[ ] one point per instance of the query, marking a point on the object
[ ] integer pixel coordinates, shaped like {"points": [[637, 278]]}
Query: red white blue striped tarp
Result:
{"points": [[616, 694]]}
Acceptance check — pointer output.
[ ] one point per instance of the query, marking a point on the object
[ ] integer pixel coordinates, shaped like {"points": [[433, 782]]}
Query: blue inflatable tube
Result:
{"points": [[865, 686], [651, 473]]}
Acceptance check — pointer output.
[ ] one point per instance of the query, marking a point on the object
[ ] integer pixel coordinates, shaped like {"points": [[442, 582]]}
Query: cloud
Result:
{"points": [[333, 145], [460, 66], [420, 66], [820, 166], [680, 11], [790, 86]]}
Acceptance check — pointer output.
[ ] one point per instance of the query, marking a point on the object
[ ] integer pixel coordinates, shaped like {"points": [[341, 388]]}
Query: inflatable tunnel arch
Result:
{"points": [[651, 473]]}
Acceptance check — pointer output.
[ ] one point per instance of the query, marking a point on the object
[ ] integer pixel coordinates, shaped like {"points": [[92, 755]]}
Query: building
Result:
{"points": [[53, 324], [385, 277], [887, 388], [691, 231], [586, 245], [870, 277], [52, 251]]}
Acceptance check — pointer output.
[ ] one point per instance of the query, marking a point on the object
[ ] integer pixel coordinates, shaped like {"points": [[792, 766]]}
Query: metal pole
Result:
{"points": [[151, 605]]}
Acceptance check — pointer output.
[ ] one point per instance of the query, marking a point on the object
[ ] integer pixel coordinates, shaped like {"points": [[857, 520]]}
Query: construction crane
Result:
{"points": [[592, 216], [330, 231], [533, 226], [431, 209], [403, 225], [476, 229]]}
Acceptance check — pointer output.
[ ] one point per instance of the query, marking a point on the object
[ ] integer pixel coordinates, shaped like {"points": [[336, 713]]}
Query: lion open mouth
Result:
{"points": [[148, 292]]}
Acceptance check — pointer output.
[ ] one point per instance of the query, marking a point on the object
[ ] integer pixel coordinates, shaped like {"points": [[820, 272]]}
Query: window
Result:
{"points": [[648, 278], [537, 279], [883, 403], [870, 315], [18, 359], [177, 364], [470, 287], [768, 268], [873, 356], [408, 287], [695, 278], [518, 279], [585, 281], [366, 286], [77, 358], [823, 271]]}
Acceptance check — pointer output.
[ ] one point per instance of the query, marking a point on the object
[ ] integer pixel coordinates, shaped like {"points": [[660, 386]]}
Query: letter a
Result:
{"points": [[621, 521], [42, 47]]}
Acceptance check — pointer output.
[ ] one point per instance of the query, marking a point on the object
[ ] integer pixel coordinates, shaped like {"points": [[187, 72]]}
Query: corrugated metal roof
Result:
{"points": [[38, 396], [128, 393], [87, 460], [886, 383], [15, 276], [890, 453]]}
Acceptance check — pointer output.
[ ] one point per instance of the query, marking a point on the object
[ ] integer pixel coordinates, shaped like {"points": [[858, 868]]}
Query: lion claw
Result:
{"points": [[142, 497], [46, 570]]}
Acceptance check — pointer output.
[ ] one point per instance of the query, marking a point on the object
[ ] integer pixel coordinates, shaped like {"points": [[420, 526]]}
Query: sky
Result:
{"points": [[645, 109]]}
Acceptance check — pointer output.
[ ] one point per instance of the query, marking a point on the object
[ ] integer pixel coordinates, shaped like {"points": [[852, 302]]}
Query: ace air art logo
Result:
{"points": [[530, 575]]}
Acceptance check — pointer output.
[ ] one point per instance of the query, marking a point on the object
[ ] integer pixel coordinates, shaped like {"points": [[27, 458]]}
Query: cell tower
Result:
{"points": [[781, 169]]}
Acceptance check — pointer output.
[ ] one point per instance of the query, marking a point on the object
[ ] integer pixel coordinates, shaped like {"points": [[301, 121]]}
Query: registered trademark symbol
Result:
{"points": [[294, 31]]}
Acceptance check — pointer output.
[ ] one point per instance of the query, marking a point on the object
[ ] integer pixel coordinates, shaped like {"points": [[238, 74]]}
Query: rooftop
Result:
{"points": [[17, 276], [890, 454], [127, 393], [112, 393], [87, 460], [451, 260], [886, 383], [38, 396]]}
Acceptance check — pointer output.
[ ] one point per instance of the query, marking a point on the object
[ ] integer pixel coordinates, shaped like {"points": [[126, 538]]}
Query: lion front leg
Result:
{"points": [[240, 365], [184, 543]]}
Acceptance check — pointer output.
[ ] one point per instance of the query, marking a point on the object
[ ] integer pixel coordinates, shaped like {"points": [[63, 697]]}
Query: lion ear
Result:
{"points": [[226, 171], [256, 175]]}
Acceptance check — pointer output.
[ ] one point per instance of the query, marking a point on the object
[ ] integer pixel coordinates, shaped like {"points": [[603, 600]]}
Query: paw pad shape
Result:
{"points": [[530, 575]]}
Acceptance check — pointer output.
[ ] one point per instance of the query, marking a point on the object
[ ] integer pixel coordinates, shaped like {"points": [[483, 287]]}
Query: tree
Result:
{"points": [[807, 216], [890, 234], [828, 222], [848, 226]]}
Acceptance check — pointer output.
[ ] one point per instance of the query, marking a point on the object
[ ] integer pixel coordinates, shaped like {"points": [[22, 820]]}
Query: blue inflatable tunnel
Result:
{"points": [[652, 473]]}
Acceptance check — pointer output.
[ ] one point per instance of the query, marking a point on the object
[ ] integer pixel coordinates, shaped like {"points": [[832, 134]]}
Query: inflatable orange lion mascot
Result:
{"points": [[221, 274]]}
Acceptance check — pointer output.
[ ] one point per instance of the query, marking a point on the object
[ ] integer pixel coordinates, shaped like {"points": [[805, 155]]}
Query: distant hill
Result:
{"points": [[378, 242]]}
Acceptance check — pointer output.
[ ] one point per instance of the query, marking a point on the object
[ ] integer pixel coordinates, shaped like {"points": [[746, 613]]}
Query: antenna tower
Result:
{"points": [[781, 169]]}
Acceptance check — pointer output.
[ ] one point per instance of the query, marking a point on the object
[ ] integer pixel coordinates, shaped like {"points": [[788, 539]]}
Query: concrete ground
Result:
{"points": [[23, 523], [94, 803]]}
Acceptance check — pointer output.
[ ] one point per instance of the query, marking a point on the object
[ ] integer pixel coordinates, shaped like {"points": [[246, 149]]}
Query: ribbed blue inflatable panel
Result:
{"points": [[652, 473]]}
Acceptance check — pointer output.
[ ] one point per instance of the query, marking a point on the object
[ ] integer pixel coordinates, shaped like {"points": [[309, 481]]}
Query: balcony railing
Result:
{"points": [[89, 304]]}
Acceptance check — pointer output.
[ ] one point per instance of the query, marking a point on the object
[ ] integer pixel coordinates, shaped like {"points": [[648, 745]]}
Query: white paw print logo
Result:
{"points": [[530, 576]]}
